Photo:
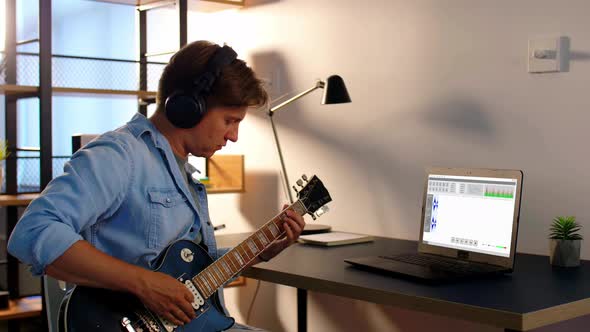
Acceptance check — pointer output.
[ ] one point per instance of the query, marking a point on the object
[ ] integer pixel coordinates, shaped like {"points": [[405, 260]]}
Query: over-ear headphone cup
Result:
{"points": [[184, 111]]}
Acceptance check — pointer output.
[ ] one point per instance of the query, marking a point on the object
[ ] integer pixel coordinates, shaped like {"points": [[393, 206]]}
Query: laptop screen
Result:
{"points": [[470, 213]]}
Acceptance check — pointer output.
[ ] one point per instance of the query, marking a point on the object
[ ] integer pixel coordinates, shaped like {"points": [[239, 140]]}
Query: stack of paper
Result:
{"points": [[334, 238]]}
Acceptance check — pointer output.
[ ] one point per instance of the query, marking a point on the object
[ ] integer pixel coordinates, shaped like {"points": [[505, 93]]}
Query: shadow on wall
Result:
{"points": [[379, 144], [258, 204], [463, 117], [270, 66]]}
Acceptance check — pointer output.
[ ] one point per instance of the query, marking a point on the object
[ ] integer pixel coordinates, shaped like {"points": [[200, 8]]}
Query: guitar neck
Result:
{"points": [[235, 260]]}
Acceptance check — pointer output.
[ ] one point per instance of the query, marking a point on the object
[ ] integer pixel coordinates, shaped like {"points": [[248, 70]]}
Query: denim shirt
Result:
{"points": [[124, 193]]}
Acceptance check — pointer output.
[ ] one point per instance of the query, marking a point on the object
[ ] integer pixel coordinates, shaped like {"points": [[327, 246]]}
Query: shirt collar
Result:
{"points": [[139, 124]]}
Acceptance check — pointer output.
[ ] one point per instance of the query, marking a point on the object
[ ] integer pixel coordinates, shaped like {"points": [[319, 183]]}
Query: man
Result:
{"points": [[127, 195]]}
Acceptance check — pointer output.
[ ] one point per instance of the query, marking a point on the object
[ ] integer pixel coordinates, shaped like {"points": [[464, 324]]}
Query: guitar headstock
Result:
{"points": [[313, 195]]}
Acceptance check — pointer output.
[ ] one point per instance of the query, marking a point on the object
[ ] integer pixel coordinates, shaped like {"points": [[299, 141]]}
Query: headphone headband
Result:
{"points": [[185, 108]]}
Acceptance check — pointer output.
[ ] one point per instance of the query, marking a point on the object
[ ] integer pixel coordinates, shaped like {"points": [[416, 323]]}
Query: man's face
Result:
{"points": [[219, 125]]}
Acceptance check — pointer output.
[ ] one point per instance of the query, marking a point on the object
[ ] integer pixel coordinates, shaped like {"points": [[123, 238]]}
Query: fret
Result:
{"points": [[233, 260], [262, 237], [199, 284], [221, 271], [267, 234], [243, 253], [218, 275], [259, 245], [238, 256], [274, 230], [211, 281], [299, 208], [252, 246], [227, 269], [216, 278], [207, 283]]}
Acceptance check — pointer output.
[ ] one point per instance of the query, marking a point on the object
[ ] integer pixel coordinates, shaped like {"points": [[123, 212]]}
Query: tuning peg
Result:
{"points": [[300, 183], [295, 188], [324, 209], [313, 216], [304, 177]]}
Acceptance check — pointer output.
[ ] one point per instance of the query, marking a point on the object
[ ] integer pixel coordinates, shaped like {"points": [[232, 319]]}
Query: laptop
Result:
{"points": [[468, 227]]}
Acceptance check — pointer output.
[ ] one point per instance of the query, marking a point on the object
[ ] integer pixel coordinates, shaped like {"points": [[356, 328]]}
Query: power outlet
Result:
{"points": [[548, 54]]}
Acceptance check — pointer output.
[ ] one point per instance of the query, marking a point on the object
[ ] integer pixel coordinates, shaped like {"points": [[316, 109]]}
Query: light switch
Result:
{"points": [[548, 54]]}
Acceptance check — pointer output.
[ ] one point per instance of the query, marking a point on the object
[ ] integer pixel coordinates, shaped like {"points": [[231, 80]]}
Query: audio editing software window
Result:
{"points": [[470, 213]]}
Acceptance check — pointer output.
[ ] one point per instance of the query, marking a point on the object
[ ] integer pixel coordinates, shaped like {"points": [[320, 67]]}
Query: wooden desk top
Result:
{"points": [[17, 200], [534, 295], [22, 308]]}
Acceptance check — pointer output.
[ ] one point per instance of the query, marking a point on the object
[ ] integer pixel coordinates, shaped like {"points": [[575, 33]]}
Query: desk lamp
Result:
{"points": [[334, 93]]}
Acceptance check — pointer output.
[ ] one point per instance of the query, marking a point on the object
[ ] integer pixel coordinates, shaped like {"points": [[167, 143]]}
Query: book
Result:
{"points": [[334, 238]]}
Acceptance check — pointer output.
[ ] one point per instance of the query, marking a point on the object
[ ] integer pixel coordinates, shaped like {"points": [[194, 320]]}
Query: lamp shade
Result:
{"points": [[335, 91]]}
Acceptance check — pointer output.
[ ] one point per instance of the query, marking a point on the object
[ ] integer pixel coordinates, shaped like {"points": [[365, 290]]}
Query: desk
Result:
{"points": [[534, 295]]}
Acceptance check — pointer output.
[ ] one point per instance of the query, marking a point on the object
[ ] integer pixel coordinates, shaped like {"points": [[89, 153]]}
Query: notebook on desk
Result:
{"points": [[468, 227]]}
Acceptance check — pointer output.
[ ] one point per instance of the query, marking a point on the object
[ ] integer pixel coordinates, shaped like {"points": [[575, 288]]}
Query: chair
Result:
{"points": [[53, 292]]}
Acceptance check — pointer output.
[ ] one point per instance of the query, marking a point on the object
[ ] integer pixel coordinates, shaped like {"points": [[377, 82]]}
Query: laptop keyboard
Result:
{"points": [[446, 265]]}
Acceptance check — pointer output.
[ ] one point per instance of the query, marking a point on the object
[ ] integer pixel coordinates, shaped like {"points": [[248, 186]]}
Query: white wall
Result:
{"points": [[432, 83]]}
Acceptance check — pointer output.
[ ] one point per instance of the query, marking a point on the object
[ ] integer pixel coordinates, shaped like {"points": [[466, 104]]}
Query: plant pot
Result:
{"points": [[564, 253]]}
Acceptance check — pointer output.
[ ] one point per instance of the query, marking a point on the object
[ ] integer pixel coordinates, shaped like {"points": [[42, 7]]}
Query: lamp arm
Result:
{"points": [[285, 177], [272, 110]]}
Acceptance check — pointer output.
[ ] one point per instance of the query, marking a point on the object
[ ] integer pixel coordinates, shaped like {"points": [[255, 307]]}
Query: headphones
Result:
{"points": [[185, 108]]}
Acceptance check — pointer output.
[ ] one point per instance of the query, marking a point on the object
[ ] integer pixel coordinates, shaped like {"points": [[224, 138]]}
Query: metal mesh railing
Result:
{"points": [[85, 72], [29, 175]]}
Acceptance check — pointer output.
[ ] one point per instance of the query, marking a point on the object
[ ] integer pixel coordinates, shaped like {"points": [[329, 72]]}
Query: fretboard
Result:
{"points": [[235, 260]]}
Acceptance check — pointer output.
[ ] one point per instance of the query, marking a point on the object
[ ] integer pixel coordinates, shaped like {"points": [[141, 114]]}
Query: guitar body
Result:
{"points": [[86, 309]]}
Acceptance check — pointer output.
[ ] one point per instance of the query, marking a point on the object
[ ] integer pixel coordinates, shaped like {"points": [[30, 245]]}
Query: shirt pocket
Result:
{"points": [[168, 216]]}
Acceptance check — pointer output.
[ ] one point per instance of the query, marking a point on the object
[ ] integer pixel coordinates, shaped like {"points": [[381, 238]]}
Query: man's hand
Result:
{"points": [[293, 225], [166, 296]]}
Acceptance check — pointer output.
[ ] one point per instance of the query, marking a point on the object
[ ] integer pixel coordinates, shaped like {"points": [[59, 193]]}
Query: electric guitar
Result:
{"points": [[86, 309]]}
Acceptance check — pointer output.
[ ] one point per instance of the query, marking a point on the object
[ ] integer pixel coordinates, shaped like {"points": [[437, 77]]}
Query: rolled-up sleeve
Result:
{"points": [[92, 187]]}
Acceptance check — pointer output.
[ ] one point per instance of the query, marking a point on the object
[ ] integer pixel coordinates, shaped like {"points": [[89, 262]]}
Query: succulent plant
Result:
{"points": [[4, 153], [565, 228]]}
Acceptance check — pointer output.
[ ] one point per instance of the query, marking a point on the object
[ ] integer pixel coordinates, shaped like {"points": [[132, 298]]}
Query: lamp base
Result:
{"points": [[315, 229]]}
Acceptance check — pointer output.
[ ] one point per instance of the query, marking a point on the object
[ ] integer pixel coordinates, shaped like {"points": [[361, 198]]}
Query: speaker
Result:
{"points": [[185, 108]]}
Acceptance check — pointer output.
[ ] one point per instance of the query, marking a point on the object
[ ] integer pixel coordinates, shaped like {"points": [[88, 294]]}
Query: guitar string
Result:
{"points": [[279, 236]]}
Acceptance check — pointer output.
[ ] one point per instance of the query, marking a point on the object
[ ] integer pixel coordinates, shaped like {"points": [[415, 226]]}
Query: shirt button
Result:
{"points": [[168, 200]]}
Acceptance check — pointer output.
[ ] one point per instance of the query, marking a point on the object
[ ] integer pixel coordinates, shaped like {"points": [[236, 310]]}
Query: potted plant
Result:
{"points": [[4, 153], [565, 241]]}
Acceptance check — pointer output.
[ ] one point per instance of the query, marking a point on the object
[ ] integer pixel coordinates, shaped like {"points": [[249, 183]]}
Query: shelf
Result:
{"points": [[22, 308], [11, 89], [225, 171], [151, 2], [17, 200]]}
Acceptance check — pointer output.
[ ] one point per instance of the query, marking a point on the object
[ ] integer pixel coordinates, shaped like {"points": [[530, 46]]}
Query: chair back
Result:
{"points": [[53, 292]]}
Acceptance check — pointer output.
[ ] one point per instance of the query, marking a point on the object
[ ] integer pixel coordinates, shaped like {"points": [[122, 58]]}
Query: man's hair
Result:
{"points": [[237, 86]]}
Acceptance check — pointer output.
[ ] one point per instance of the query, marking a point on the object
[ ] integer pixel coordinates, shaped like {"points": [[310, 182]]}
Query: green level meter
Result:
{"points": [[499, 195]]}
